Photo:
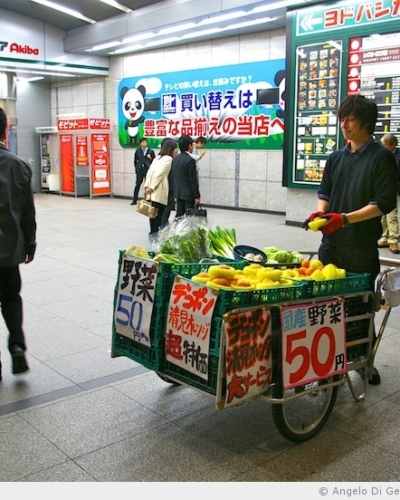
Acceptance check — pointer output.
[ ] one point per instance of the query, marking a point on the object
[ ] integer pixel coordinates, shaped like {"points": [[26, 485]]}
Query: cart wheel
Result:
{"points": [[301, 418], [167, 379]]}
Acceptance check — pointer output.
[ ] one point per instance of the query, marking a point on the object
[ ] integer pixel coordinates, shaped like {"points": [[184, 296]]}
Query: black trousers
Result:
{"points": [[11, 305], [140, 177], [168, 209], [155, 223], [182, 206]]}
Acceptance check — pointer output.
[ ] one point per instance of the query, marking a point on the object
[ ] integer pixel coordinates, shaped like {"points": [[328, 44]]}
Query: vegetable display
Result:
{"points": [[222, 241]]}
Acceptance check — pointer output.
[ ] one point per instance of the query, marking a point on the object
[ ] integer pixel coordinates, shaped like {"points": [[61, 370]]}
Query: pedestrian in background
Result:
{"points": [[186, 184], [156, 185], [17, 243], [358, 186], [142, 161], [390, 222]]}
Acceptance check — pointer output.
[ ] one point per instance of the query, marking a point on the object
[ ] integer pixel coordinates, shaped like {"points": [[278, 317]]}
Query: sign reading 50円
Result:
{"points": [[135, 298], [313, 342]]}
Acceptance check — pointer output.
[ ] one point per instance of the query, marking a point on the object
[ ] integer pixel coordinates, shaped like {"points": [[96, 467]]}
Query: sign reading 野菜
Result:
{"points": [[135, 298], [237, 107], [313, 342]]}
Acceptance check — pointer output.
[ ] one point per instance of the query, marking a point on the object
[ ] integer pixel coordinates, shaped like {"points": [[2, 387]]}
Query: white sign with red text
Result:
{"points": [[190, 311], [313, 342], [248, 356]]}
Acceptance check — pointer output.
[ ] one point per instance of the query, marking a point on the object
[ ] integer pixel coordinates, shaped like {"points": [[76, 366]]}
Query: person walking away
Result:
{"points": [[358, 186], [142, 161], [186, 184], [156, 184], [17, 243], [390, 222]]}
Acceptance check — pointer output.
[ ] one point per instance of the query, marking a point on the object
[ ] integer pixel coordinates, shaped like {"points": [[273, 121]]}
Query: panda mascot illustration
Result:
{"points": [[133, 106]]}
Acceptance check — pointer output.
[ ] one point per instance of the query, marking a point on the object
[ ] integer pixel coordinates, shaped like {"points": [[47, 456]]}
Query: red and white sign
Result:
{"points": [[73, 124], [248, 354], [313, 342], [187, 341], [101, 164], [67, 164], [82, 159]]}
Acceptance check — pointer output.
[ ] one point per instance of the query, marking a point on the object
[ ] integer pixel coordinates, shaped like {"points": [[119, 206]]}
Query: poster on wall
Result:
{"points": [[234, 107], [373, 63], [336, 49], [317, 130]]}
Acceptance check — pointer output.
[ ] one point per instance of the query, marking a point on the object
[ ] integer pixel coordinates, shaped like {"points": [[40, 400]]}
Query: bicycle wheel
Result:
{"points": [[302, 417]]}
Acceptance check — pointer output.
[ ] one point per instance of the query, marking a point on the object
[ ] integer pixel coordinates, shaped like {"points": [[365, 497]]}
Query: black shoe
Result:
{"points": [[19, 364], [374, 379], [134, 202]]}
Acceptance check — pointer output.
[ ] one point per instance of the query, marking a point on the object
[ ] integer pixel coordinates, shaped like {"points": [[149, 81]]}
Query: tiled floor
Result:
{"points": [[79, 415]]}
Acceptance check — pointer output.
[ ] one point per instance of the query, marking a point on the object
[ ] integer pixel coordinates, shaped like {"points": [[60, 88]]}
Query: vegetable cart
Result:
{"points": [[292, 346]]}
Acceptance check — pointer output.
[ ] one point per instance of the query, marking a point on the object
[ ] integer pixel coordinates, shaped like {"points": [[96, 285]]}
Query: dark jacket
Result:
{"points": [[186, 185], [141, 162], [17, 210], [354, 180]]}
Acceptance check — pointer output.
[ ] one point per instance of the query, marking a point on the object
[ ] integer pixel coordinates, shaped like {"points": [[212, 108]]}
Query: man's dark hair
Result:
{"points": [[361, 108], [3, 122], [143, 139], [184, 142], [201, 139]]}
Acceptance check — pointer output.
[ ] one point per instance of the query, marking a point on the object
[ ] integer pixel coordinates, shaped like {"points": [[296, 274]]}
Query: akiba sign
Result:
{"points": [[16, 48]]}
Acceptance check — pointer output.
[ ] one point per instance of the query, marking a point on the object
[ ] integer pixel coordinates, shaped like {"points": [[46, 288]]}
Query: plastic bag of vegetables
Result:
{"points": [[185, 239]]}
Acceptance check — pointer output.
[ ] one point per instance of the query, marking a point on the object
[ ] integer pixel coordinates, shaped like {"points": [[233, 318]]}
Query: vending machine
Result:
{"points": [[85, 156], [49, 158]]}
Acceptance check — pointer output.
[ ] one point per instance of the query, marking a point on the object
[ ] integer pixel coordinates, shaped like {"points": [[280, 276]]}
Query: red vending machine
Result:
{"points": [[85, 156]]}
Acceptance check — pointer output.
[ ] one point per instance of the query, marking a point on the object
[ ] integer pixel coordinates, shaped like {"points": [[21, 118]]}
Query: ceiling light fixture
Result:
{"points": [[138, 38], [65, 10], [195, 34], [175, 29], [103, 46], [39, 72], [117, 5]]}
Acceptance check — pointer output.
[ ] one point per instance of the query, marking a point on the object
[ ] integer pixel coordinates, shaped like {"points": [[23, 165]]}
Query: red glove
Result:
{"points": [[335, 222], [311, 217]]}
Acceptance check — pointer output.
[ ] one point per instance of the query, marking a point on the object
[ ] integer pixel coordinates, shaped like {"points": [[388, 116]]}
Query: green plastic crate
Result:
{"points": [[353, 282], [228, 300], [150, 357], [209, 386]]}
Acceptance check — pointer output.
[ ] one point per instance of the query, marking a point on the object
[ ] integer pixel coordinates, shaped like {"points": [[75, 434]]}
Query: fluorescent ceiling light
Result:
{"points": [[223, 17], [131, 48], [33, 79], [176, 29], [65, 10], [162, 42], [116, 5], [103, 46], [138, 38]]}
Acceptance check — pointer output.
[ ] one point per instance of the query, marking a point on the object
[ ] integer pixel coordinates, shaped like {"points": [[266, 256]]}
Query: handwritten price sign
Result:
{"points": [[135, 298], [313, 342]]}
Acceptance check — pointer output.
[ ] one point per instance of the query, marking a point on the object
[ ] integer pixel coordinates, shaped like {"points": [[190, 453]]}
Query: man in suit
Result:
{"points": [[186, 185], [142, 161]]}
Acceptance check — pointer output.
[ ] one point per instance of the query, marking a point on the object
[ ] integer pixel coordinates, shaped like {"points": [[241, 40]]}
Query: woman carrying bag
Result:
{"points": [[156, 185]]}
